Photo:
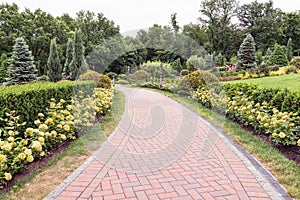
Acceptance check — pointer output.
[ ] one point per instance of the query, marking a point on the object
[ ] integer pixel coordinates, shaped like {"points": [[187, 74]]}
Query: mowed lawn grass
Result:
{"points": [[291, 82]]}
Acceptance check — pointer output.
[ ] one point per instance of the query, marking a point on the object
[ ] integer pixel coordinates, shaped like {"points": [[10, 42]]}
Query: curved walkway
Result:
{"points": [[162, 150]]}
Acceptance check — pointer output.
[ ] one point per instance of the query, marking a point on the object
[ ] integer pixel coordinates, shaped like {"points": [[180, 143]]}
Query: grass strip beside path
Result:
{"points": [[284, 170], [41, 182]]}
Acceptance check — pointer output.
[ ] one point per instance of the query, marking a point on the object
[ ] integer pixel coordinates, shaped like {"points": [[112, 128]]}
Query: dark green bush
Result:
{"points": [[184, 72], [30, 99]]}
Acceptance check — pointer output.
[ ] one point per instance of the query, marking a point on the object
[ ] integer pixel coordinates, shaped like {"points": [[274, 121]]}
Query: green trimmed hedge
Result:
{"points": [[30, 99], [283, 100]]}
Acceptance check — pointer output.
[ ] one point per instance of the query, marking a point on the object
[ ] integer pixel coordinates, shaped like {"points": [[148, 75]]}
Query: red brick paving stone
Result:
{"points": [[141, 195], [202, 171]]}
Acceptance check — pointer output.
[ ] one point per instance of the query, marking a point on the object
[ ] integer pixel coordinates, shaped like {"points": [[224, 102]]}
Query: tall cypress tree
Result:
{"points": [[53, 63], [289, 49], [21, 69], [78, 64], [69, 57], [247, 54]]}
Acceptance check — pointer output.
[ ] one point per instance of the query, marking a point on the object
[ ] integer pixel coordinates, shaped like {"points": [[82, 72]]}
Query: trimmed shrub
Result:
{"points": [[141, 75], [104, 82], [90, 75], [197, 79], [278, 57], [30, 99], [195, 62]]}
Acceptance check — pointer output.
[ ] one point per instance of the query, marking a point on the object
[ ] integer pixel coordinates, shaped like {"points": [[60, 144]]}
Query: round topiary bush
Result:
{"points": [[104, 82], [90, 75], [141, 75], [197, 79]]}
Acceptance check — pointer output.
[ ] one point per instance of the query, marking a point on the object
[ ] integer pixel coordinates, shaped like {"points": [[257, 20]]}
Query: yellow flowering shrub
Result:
{"points": [[61, 122], [282, 127]]}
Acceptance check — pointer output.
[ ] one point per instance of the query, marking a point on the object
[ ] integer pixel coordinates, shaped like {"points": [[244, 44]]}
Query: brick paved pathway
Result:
{"points": [[162, 150]]}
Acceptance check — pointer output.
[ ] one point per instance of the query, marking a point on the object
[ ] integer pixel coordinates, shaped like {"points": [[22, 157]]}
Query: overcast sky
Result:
{"points": [[135, 14]]}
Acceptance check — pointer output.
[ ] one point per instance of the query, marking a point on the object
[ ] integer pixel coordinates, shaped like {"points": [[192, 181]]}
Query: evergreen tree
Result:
{"points": [[278, 57], [289, 49], [4, 62], [53, 63], [247, 54], [69, 56], [21, 69], [268, 52], [78, 64]]}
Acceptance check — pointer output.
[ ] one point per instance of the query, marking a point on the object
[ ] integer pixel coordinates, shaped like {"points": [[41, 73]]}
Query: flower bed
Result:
{"points": [[60, 121], [271, 112]]}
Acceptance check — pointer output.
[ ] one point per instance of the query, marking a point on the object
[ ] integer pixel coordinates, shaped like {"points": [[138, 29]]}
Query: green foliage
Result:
{"points": [[69, 58], [262, 21], [4, 62], [259, 57], [54, 67], [91, 75], [278, 56], [289, 49], [78, 64], [291, 69], [209, 61], [197, 79], [43, 78], [219, 60], [184, 72], [195, 62], [247, 54], [30, 99], [156, 69], [112, 74], [122, 82], [141, 76], [21, 69], [296, 62], [104, 82], [263, 109]]}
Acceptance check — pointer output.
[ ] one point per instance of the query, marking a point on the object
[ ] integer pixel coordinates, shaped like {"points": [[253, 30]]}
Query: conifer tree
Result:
{"points": [[78, 64], [289, 49], [247, 54], [69, 57], [278, 57], [53, 63], [21, 69]]}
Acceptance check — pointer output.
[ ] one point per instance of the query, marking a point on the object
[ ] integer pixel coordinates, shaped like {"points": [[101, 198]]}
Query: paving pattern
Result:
{"points": [[162, 150]]}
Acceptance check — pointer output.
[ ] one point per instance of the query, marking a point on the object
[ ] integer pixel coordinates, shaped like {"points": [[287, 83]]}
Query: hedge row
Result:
{"points": [[273, 112], [30, 99], [282, 99]]}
